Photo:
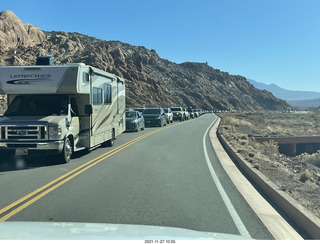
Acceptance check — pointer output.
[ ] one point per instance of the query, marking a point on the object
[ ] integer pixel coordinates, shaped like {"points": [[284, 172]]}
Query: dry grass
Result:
{"points": [[274, 123], [298, 176], [310, 158], [305, 175]]}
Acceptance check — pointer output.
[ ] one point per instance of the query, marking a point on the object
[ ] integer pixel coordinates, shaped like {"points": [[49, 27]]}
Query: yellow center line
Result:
{"points": [[60, 178], [67, 177]]}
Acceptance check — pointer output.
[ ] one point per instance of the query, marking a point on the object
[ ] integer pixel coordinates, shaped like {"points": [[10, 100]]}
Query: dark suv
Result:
{"points": [[154, 117]]}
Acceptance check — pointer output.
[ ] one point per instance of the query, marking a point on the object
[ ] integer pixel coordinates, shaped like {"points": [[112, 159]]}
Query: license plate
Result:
{"points": [[21, 151]]}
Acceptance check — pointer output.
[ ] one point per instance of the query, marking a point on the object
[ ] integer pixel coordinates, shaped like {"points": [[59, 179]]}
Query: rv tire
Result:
{"points": [[110, 143], [66, 153]]}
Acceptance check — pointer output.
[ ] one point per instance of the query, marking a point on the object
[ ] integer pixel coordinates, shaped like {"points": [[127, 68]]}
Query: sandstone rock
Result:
{"points": [[150, 80], [14, 32]]}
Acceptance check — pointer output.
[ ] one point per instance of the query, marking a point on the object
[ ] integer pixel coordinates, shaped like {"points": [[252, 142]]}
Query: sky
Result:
{"points": [[269, 41]]}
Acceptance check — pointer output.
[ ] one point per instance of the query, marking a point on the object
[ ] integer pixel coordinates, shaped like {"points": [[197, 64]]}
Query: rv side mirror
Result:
{"points": [[88, 109]]}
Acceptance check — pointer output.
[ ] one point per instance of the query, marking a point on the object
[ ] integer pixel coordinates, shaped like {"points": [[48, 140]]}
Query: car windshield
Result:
{"points": [[176, 109], [139, 109], [200, 115], [151, 111], [131, 114], [38, 105]]}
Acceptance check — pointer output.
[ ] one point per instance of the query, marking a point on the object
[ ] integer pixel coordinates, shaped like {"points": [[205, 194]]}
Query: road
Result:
{"points": [[159, 176]]}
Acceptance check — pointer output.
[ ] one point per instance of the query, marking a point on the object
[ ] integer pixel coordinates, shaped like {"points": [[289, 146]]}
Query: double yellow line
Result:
{"points": [[15, 207]]}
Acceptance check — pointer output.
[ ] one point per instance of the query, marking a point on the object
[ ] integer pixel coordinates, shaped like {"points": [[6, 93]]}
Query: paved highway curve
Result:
{"points": [[159, 176]]}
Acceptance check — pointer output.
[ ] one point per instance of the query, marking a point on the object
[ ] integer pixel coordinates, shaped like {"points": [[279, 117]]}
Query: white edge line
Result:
{"points": [[234, 215]]}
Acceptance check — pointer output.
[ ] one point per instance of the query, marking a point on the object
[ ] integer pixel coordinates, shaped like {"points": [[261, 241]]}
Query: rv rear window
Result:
{"points": [[97, 96]]}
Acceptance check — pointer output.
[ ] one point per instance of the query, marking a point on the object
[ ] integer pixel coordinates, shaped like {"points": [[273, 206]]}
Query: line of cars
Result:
{"points": [[139, 118]]}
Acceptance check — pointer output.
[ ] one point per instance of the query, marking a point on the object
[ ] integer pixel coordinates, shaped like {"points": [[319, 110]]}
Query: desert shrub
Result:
{"points": [[305, 175], [254, 144], [250, 160], [288, 188], [256, 165], [238, 122], [251, 154], [243, 150], [243, 143], [269, 148], [244, 137], [310, 158]]}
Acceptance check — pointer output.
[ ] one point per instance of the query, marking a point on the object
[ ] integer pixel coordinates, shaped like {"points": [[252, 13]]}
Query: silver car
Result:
{"points": [[134, 121]]}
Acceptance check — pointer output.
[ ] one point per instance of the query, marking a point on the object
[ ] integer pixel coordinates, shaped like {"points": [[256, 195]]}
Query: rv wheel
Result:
{"points": [[110, 143], [66, 153]]}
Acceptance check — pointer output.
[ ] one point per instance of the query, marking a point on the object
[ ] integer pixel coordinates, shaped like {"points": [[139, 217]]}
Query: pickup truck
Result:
{"points": [[178, 113]]}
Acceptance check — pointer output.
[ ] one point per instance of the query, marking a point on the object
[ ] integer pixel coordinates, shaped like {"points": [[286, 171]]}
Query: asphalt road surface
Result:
{"points": [[159, 176]]}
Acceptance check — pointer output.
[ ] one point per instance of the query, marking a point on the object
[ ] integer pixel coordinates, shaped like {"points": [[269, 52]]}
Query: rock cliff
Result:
{"points": [[150, 80]]}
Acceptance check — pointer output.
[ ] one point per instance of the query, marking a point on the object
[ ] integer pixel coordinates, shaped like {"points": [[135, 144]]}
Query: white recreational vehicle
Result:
{"points": [[59, 109]]}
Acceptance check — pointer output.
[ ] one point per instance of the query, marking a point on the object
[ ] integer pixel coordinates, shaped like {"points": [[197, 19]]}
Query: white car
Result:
{"points": [[187, 114], [169, 115]]}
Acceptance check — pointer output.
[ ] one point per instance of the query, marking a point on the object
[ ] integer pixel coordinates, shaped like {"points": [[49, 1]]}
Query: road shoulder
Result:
{"points": [[274, 222]]}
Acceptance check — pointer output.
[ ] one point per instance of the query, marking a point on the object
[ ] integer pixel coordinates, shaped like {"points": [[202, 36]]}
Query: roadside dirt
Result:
{"points": [[298, 176]]}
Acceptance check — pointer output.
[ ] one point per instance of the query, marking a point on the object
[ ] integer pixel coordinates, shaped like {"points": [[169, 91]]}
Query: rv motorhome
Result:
{"points": [[60, 109]]}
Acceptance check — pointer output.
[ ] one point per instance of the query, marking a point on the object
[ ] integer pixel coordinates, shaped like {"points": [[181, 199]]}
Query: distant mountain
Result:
{"points": [[284, 94], [150, 79], [311, 103], [297, 99]]}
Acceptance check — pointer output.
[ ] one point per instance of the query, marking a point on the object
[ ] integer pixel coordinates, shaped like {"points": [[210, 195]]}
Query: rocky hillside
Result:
{"points": [[151, 80]]}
